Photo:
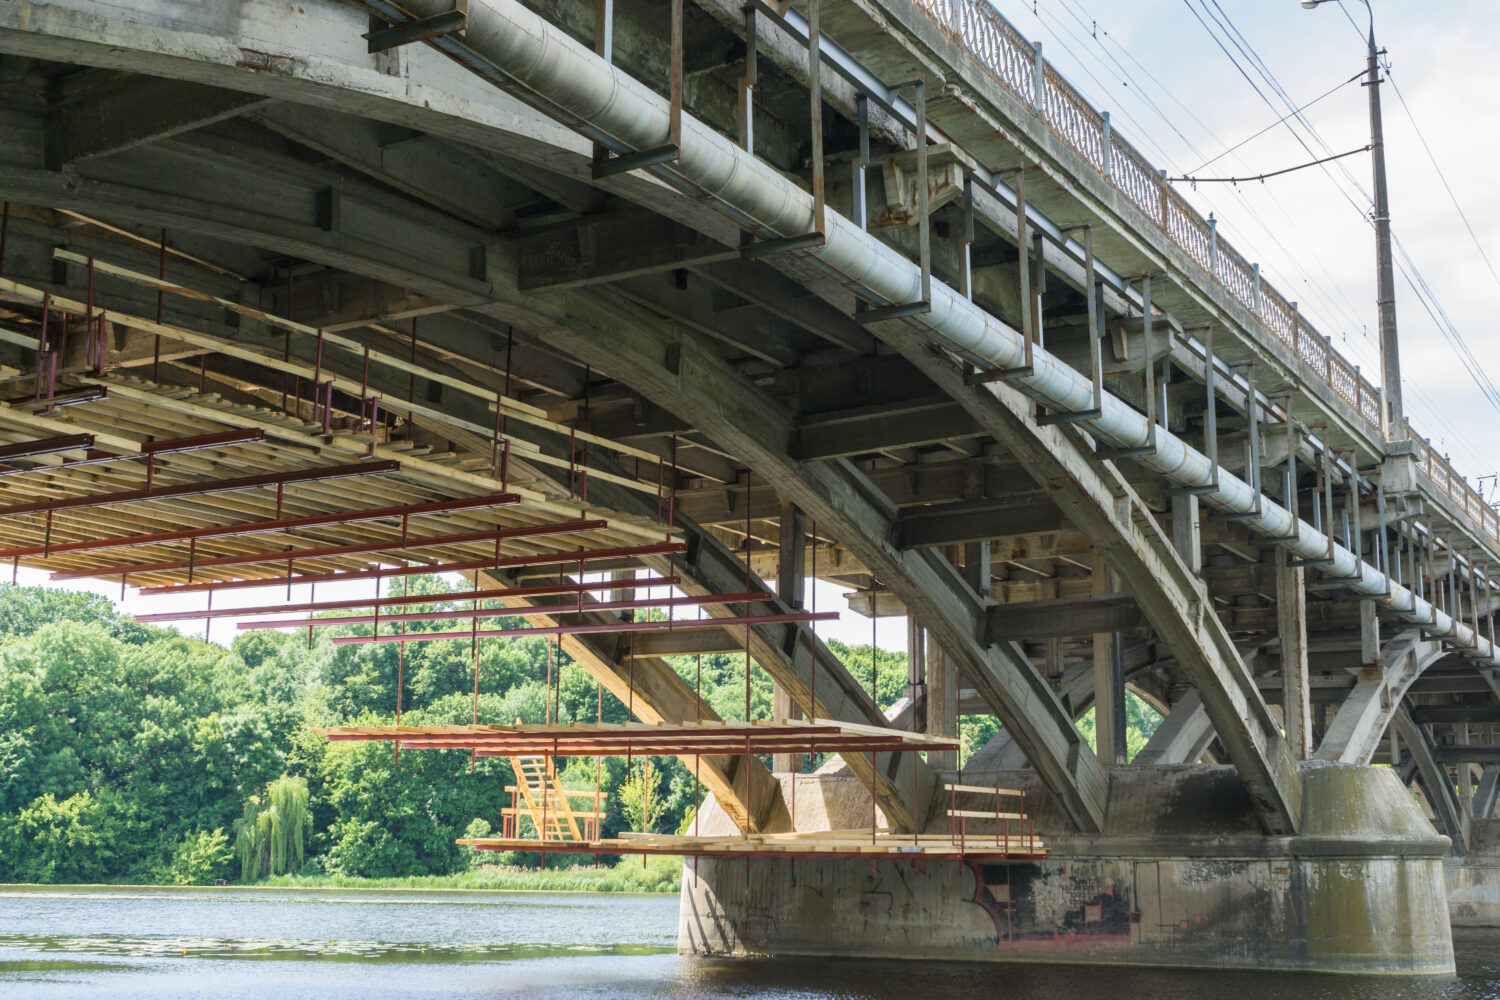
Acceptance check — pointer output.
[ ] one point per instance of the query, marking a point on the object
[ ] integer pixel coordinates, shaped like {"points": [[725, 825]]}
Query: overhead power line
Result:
{"points": [[1290, 114], [1274, 173]]}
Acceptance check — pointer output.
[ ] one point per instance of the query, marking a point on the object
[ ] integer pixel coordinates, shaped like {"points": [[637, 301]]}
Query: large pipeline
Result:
{"points": [[571, 81]]}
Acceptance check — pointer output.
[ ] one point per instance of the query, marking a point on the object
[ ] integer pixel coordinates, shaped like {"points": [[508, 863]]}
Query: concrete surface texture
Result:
{"points": [[1181, 876]]}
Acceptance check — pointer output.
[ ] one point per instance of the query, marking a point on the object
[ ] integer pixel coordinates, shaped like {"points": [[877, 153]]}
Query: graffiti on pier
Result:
{"points": [[1044, 906]]}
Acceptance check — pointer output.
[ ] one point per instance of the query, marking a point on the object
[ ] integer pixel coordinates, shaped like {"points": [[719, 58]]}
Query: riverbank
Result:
{"points": [[658, 875]]}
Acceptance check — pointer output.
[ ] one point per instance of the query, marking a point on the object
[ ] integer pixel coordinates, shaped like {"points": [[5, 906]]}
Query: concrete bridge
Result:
{"points": [[864, 292]]}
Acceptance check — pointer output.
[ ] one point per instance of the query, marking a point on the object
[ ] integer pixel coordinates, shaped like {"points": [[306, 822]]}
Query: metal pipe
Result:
{"points": [[528, 56]]}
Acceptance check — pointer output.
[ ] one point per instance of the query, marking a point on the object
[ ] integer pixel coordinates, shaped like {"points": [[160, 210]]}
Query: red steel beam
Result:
{"points": [[664, 626], [151, 449], [464, 614], [546, 590], [46, 446], [63, 397], [541, 559], [974, 850], [255, 527], [355, 548], [210, 486]]}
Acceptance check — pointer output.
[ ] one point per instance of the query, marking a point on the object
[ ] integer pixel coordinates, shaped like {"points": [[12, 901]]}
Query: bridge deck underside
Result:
{"points": [[454, 250]]}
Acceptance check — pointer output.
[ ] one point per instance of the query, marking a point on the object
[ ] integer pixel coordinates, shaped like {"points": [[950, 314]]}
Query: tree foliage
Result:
{"points": [[131, 753], [269, 836]]}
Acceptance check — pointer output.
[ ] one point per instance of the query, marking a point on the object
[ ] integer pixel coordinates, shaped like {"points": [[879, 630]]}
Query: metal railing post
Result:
{"points": [[1039, 85]]}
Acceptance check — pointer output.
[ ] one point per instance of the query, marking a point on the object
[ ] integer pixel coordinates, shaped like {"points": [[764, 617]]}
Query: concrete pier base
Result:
{"points": [[1180, 877], [1474, 881]]}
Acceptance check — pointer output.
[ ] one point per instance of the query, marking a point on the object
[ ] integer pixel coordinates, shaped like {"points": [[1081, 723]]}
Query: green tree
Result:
{"points": [[64, 841], [269, 836], [201, 857]]}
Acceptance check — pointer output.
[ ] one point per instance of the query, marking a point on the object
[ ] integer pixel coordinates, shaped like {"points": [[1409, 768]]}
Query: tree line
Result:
{"points": [[136, 754]]}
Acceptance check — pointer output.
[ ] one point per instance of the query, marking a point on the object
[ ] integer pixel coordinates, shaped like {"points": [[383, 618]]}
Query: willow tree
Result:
{"points": [[269, 834]]}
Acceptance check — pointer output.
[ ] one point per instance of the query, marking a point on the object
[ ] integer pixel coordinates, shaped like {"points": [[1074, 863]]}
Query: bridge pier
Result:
{"points": [[1474, 880], [1182, 875]]}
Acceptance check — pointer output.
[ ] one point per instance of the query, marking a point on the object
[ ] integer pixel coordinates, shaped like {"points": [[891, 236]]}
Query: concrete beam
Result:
{"points": [[1487, 795], [1066, 616], [976, 520], [117, 112], [1487, 712], [832, 435], [1354, 735], [1468, 753], [616, 245], [1183, 736], [1103, 506], [1441, 796]]}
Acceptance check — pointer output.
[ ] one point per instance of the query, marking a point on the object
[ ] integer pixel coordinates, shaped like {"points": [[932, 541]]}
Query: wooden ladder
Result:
{"points": [[539, 794]]}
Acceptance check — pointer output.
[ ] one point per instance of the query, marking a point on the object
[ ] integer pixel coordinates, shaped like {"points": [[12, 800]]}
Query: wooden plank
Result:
{"points": [[515, 408], [981, 790]]}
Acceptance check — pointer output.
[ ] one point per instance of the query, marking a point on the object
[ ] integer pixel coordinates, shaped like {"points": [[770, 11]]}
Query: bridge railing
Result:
{"points": [[1017, 64]]}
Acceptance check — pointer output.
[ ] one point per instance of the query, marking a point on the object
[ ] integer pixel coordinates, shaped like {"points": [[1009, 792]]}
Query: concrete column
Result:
{"points": [[1465, 775], [942, 704], [1109, 686], [1187, 531], [791, 568], [1291, 624], [791, 585], [623, 593], [916, 659], [942, 677], [1369, 634], [1054, 659], [976, 568]]}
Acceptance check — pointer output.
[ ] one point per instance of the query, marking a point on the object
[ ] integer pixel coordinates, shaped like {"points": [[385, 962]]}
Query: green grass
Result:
{"points": [[659, 874]]}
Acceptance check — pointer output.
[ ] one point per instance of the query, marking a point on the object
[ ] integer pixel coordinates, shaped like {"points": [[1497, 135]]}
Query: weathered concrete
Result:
{"points": [[1474, 881], [1181, 876]]}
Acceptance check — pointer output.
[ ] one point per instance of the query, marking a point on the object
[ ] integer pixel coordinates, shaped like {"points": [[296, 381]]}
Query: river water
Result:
{"points": [[289, 944]]}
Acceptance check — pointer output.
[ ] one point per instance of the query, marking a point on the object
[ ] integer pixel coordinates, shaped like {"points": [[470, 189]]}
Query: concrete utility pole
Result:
{"points": [[1390, 355]]}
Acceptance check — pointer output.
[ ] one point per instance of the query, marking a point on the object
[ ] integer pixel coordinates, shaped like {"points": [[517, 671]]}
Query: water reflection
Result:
{"points": [[370, 945]]}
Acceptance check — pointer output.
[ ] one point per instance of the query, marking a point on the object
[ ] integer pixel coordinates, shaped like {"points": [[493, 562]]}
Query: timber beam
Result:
{"points": [[657, 694]]}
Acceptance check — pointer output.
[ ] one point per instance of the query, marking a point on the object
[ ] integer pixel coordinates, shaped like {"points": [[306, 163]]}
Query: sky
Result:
{"points": [[850, 628], [1174, 94], [1177, 96]]}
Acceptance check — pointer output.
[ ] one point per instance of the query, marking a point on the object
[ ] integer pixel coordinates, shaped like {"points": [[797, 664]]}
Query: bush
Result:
{"points": [[478, 827], [60, 842], [200, 858]]}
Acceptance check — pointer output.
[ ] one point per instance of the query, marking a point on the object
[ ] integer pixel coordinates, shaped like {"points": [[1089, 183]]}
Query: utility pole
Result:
{"points": [[1390, 354], [1393, 419]]}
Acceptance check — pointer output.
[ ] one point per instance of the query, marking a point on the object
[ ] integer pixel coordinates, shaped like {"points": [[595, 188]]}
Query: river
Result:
{"points": [[289, 944]]}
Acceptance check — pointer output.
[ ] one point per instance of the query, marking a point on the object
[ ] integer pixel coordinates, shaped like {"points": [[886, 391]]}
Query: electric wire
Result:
{"points": [[1319, 292], [1410, 271]]}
